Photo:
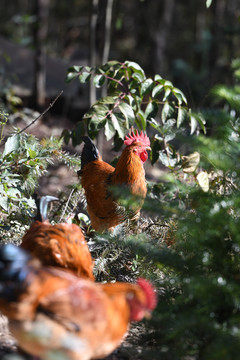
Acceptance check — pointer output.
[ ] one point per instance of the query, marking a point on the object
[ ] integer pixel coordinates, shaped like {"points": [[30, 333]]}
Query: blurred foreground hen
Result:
{"points": [[97, 178], [55, 315], [60, 245]]}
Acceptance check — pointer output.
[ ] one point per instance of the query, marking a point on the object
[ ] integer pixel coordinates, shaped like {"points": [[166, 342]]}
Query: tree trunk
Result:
{"points": [[107, 38], [161, 37], [93, 50], [40, 35]]}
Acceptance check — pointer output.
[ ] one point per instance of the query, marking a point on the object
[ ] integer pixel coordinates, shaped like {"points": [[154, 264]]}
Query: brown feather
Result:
{"points": [[97, 177], [60, 245], [58, 314]]}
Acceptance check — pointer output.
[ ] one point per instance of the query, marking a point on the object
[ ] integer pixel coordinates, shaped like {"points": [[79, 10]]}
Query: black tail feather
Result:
{"points": [[89, 152], [13, 269]]}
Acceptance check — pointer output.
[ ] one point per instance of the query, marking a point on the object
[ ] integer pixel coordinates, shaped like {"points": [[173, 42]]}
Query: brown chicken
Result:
{"points": [[60, 245], [56, 315], [98, 177]]}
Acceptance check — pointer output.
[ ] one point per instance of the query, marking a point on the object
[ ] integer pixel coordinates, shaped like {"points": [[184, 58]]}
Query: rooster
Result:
{"points": [[55, 315], [98, 177], [61, 245]]}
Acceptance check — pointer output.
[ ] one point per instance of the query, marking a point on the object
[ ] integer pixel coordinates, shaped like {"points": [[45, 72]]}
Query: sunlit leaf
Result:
{"points": [[167, 93], [180, 96], [203, 180], [146, 86], [84, 77], [13, 192], [193, 124], [151, 110], [182, 114], [12, 144], [167, 160], [109, 130], [157, 77], [141, 120], [4, 202], [99, 80], [138, 72], [208, 3], [118, 126], [31, 153], [108, 100], [70, 76], [157, 89], [167, 111], [190, 162], [128, 113]]}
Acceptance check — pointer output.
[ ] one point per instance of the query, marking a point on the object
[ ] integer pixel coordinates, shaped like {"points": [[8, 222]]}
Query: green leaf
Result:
{"points": [[98, 117], [95, 124], [137, 71], [190, 162], [13, 192], [31, 153], [128, 113], [77, 68], [203, 180], [109, 130], [117, 126], [4, 202], [32, 163], [84, 77], [167, 111], [141, 120], [208, 3], [156, 146], [157, 77], [167, 93], [84, 218], [155, 125], [167, 160], [146, 86], [70, 76], [99, 80], [79, 132], [193, 124], [151, 110], [195, 120], [180, 96], [165, 83], [66, 136], [113, 63], [12, 144], [108, 100], [202, 122], [182, 114], [157, 89]]}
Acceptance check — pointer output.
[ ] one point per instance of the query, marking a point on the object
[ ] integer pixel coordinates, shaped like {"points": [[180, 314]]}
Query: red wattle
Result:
{"points": [[143, 156]]}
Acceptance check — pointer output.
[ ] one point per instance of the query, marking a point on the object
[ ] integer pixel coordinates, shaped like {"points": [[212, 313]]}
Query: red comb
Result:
{"points": [[148, 289], [136, 138]]}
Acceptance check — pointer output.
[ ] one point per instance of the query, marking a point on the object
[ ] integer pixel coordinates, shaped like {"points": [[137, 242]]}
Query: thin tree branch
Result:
{"points": [[42, 114], [37, 118]]}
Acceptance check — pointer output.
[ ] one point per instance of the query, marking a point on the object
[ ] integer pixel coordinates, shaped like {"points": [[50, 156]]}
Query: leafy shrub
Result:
{"points": [[23, 161], [135, 99]]}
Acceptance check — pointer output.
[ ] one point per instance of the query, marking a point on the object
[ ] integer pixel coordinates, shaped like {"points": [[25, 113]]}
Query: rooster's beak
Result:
{"points": [[148, 148]]}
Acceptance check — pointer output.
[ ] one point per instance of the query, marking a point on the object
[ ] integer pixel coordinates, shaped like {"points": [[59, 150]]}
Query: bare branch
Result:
{"points": [[42, 114]]}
